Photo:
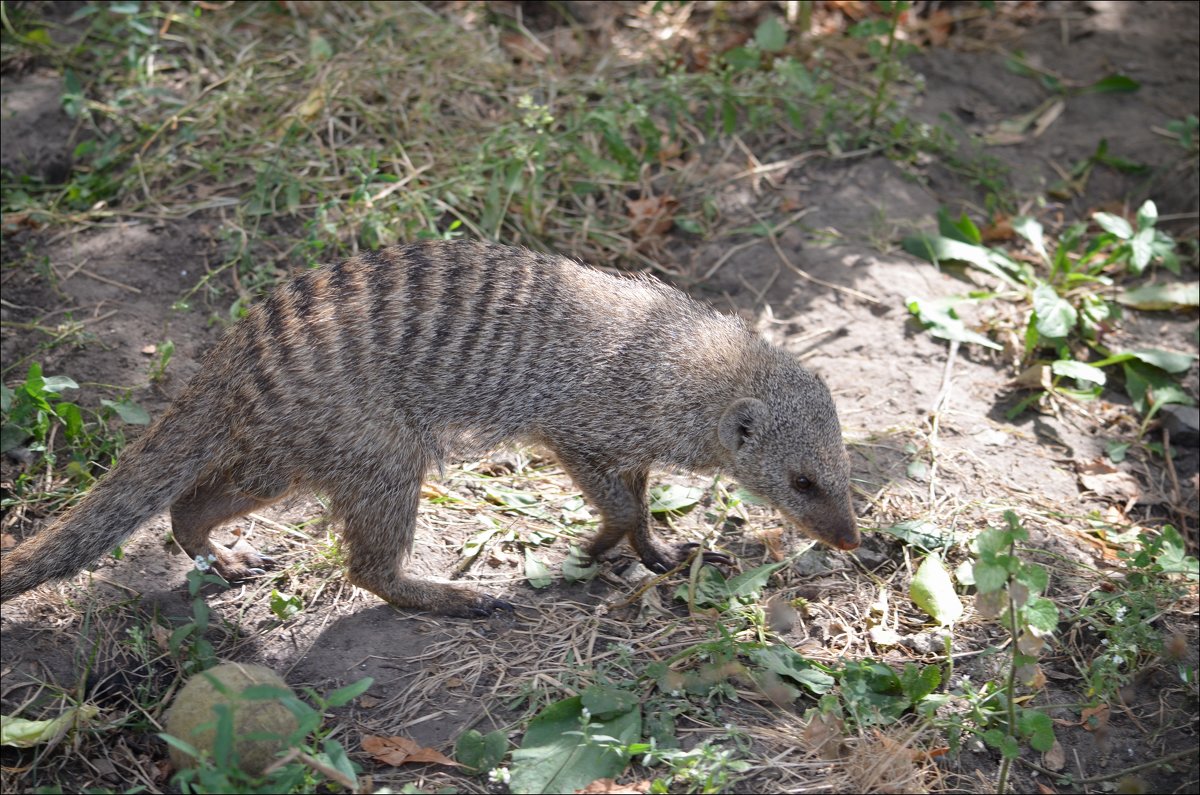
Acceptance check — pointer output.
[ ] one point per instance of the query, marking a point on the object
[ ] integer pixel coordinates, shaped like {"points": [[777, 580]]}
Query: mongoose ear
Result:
{"points": [[744, 418]]}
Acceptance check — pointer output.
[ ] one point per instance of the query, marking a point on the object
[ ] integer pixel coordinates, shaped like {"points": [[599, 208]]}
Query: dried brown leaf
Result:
{"points": [[398, 751]]}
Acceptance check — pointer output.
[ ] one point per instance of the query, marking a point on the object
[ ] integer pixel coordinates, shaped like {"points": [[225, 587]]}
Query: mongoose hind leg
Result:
{"points": [[379, 514], [625, 513], [196, 514]]}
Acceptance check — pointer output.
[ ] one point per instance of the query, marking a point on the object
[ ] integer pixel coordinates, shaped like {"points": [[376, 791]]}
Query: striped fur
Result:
{"points": [[356, 379]]}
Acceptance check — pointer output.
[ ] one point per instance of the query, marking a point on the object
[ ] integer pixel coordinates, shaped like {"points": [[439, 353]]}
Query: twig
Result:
{"points": [[803, 274], [747, 244], [107, 280], [939, 404], [1162, 760]]}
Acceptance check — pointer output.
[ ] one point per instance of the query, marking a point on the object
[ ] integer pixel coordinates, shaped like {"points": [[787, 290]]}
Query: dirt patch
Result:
{"points": [[90, 303]]}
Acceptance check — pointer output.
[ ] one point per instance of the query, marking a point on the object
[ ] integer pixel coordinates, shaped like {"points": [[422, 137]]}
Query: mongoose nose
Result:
{"points": [[848, 540]]}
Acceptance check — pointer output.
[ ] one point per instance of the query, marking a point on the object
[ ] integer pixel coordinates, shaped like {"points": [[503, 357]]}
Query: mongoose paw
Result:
{"points": [[481, 606], [240, 561], [663, 559]]}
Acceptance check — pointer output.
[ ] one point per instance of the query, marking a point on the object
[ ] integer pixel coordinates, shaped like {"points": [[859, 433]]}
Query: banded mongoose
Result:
{"points": [[356, 379]]}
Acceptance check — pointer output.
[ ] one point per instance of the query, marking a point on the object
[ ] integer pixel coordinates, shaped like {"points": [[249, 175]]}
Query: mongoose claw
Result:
{"points": [[662, 561], [710, 556], [486, 605], [240, 561]]}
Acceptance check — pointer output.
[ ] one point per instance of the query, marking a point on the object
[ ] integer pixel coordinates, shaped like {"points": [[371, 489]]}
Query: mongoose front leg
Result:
{"points": [[625, 513], [197, 513], [379, 516]]}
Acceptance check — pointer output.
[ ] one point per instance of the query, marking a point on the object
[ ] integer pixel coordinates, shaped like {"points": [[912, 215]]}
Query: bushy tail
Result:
{"points": [[152, 473]]}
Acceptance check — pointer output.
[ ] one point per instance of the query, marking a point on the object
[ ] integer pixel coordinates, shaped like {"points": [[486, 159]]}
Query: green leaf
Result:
{"points": [[1033, 577], [573, 567], [536, 572], [1114, 224], [553, 757], [1162, 297], [1038, 727], [11, 437], [1118, 83], [336, 757], [932, 590], [1141, 249], [673, 499], [711, 589], [128, 411], [21, 733], [284, 605], [921, 533], [344, 695], [1032, 231], [480, 753], [944, 324], [1173, 557], [919, 682], [319, 48], [963, 230], [872, 693], [1078, 370], [1149, 386], [1041, 614], [990, 576], [770, 36], [749, 584], [938, 249], [57, 383], [785, 661], [1170, 361], [606, 702], [474, 545], [1147, 214], [1055, 316]]}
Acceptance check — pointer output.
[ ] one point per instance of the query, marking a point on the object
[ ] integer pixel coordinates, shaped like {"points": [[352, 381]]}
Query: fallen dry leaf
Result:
{"points": [[941, 22], [824, 735], [1092, 718], [652, 215], [1107, 481], [398, 751], [1055, 758], [998, 230], [1035, 377]]}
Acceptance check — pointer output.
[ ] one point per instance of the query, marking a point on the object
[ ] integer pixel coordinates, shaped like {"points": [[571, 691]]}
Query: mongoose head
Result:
{"points": [[785, 446]]}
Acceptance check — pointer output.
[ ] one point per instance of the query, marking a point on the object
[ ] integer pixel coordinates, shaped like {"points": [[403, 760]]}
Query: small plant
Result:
{"points": [[200, 654], [158, 369], [1125, 618], [37, 416], [1070, 311], [1009, 590]]}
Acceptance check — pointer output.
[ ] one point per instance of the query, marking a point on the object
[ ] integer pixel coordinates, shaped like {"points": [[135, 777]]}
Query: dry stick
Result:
{"points": [[939, 405], [107, 280], [741, 246], [1176, 494], [1162, 760], [803, 274]]}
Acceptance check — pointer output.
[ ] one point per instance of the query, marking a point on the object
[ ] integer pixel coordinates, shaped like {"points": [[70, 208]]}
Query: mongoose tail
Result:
{"points": [[152, 473]]}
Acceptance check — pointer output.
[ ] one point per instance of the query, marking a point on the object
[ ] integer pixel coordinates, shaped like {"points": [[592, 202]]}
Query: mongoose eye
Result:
{"points": [[801, 483]]}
